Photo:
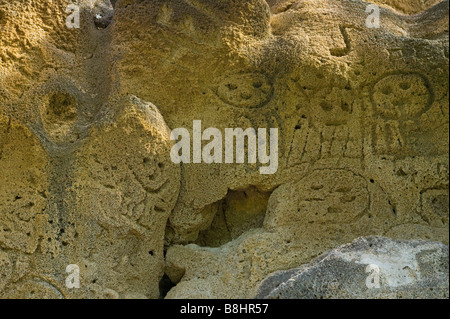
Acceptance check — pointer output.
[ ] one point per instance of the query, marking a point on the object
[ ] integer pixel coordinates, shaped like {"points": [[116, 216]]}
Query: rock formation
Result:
{"points": [[86, 112], [367, 268]]}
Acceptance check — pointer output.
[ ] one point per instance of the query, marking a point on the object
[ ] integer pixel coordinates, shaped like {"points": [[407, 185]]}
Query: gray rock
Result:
{"points": [[368, 268]]}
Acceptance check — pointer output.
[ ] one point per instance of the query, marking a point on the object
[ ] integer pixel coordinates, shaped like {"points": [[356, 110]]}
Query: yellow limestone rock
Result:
{"points": [[87, 184], [86, 115]]}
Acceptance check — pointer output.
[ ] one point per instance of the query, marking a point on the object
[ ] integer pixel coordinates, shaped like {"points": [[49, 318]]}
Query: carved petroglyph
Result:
{"points": [[402, 96], [326, 196], [86, 115], [245, 90], [399, 101]]}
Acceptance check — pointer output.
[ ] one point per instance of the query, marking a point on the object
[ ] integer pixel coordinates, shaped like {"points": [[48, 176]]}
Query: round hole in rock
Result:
{"points": [[239, 212], [165, 285], [103, 14]]}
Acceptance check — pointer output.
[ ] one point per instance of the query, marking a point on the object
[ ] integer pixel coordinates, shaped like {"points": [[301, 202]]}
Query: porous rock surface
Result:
{"points": [[372, 267], [86, 115]]}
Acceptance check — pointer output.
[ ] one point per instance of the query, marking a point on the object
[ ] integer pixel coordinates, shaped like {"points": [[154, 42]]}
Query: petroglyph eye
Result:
{"points": [[401, 96], [251, 90]]}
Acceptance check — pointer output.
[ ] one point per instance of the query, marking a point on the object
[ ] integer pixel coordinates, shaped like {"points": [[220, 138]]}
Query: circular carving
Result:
{"points": [[251, 90], [402, 96]]}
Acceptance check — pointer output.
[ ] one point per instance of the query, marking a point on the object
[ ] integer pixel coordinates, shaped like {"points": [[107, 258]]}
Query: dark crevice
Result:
{"points": [[104, 15], [239, 212], [165, 285]]}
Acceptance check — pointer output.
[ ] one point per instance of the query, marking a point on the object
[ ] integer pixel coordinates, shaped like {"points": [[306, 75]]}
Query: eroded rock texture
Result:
{"points": [[367, 268], [85, 120]]}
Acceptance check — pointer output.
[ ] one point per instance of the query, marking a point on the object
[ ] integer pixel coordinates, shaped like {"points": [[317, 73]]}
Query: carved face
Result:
{"points": [[231, 61], [252, 62], [402, 96], [307, 67], [197, 44], [331, 196]]}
